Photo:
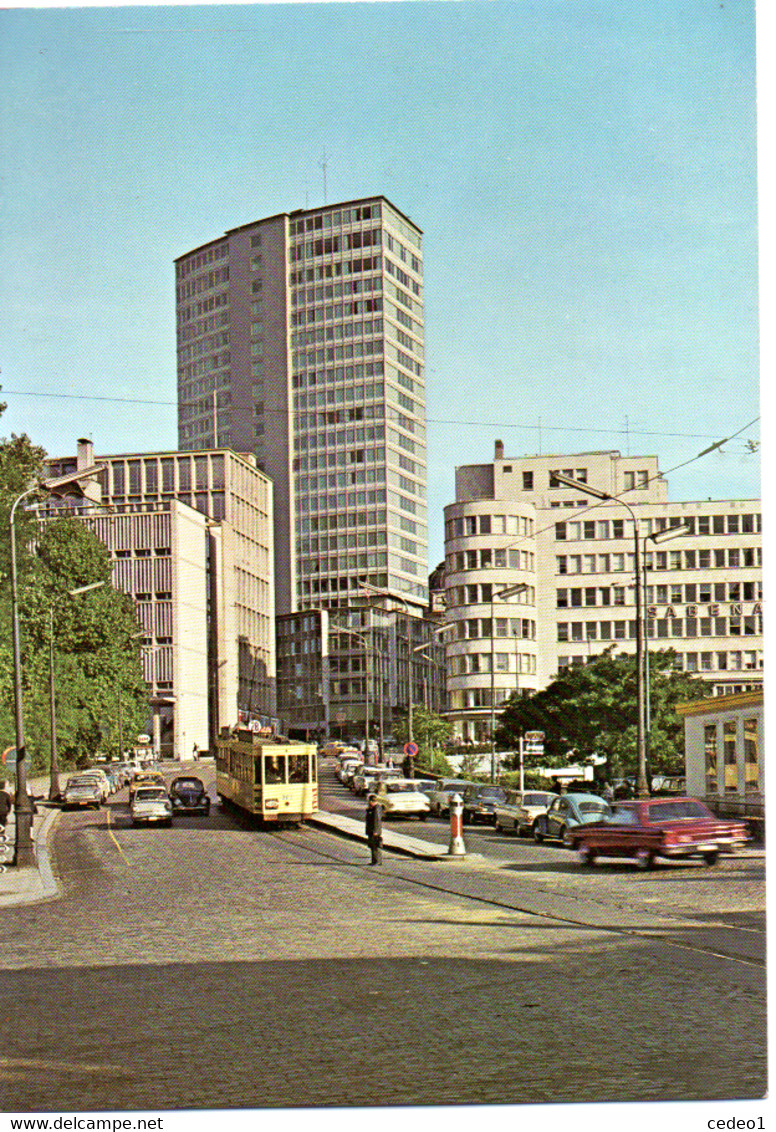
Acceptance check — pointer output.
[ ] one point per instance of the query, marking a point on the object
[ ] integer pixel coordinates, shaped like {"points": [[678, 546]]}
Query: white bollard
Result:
{"points": [[457, 847]]}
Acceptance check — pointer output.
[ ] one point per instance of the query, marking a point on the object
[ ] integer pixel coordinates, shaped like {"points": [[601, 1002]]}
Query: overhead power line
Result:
{"points": [[626, 431]]}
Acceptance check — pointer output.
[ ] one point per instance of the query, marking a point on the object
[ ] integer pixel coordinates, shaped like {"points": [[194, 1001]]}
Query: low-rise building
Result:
{"points": [[725, 753], [151, 505], [540, 576]]}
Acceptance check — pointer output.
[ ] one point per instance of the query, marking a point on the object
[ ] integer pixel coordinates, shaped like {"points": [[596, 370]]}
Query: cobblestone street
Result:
{"points": [[249, 967]]}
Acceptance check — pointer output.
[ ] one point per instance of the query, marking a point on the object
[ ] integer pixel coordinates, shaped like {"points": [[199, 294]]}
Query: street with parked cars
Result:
{"points": [[265, 927]]}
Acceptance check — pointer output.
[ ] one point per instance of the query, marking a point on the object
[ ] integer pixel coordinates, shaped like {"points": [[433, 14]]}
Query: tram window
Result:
{"points": [[257, 772], [313, 769], [274, 768], [297, 768]]}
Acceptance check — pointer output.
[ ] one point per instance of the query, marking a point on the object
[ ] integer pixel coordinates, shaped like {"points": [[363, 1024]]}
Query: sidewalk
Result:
{"points": [[35, 882]]}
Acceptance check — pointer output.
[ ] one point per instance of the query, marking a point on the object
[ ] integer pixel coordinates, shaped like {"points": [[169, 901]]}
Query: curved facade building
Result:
{"points": [[490, 591]]}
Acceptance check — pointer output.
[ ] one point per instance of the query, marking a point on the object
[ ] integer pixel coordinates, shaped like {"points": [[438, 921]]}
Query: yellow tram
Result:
{"points": [[275, 782]]}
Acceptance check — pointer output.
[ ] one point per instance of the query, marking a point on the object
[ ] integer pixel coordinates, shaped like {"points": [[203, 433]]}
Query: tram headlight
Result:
{"points": [[271, 804]]}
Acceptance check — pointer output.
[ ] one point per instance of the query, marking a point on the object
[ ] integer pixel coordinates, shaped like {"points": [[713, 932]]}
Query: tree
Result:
{"points": [[591, 710], [430, 732], [96, 646], [96, 649]]}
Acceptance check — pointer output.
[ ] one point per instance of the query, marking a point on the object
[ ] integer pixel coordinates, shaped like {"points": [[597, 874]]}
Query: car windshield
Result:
{"points": [[188, 784], [81, 782], [401, 788], [151, 794], [593, 808], [537, 799], [491, 792], [671, 811]]}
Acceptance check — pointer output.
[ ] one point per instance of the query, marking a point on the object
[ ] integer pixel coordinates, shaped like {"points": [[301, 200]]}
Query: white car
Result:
{"points": [[519, 811], [402, 796], [151, 804], [366, 780], [82, 790], [440, 797], [101, 777]]}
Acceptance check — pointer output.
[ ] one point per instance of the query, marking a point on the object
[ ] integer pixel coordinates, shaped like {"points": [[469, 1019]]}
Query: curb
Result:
{"points": [[36, 883]]}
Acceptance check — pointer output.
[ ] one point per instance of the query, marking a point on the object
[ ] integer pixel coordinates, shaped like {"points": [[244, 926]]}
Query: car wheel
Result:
{"points": [[518, 829], [587, 856], [422, 816], [537, 833], [562, 835], [711, 857], [645, 858]]}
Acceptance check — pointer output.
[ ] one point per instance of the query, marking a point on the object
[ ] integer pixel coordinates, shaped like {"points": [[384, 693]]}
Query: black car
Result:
{"points": [[479, 803], [189, 796]]}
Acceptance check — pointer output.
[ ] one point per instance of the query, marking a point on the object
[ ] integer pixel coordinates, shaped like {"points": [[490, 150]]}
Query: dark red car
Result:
{"points": [[657, 827]]}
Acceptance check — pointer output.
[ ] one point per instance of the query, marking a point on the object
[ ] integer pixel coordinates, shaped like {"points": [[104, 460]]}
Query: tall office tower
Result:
{"points": [[301, 338]]}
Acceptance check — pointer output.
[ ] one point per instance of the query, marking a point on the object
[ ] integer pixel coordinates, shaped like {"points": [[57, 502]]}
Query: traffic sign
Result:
{"points": [[341, 717], [534, 736], [411, 749], [8, 756]]}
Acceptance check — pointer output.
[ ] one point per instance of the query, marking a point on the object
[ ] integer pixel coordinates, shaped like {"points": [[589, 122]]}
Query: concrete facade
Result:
{"points": [[301, 339], [514, 524], [232, 500], [725, 753]]}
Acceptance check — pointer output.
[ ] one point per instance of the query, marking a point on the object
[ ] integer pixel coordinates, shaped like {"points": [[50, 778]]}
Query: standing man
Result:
{"points": [[374, 828]]}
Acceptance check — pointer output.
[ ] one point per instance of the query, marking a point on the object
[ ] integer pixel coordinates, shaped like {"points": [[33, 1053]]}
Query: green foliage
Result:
{"points": [[96, 651], [431, 733], [591, 710]]}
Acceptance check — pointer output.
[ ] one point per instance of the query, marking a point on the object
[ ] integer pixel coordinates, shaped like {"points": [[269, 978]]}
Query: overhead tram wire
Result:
{"points": [[396, 413]]}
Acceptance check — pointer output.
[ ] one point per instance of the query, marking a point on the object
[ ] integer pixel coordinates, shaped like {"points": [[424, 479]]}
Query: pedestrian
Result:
{"points": [[5, 803], [608, 792], [374, 828]]}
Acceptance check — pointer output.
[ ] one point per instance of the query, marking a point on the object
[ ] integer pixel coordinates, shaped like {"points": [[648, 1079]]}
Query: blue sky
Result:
{"points": [[584, 173]]}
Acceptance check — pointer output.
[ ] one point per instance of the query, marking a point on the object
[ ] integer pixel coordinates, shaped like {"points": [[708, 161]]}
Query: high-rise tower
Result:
{"points": [[301, 338]]}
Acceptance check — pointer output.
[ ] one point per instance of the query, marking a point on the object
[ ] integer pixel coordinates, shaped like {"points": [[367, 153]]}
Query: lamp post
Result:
{"points": [[364, 585], [367, 651], [61, 485], [642, 786], [54, 788], [656, 539], [502, 595]]}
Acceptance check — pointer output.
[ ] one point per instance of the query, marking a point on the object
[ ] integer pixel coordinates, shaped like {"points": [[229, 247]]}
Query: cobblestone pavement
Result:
{"points": [[214, 965]]}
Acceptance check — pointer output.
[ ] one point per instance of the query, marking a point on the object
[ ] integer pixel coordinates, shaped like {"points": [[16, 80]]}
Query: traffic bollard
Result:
{"points": [[457, 847]]}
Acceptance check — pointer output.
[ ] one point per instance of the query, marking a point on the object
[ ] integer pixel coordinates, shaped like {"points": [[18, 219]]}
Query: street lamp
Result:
{"points": [[502, 595], [54, 789], [367, 651], [61, 485], [656, 539], [642, 786], [364, 585]]}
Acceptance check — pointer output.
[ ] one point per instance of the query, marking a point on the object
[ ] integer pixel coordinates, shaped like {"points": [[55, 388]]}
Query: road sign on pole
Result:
{"points": [[8, 757], [411, 749]]}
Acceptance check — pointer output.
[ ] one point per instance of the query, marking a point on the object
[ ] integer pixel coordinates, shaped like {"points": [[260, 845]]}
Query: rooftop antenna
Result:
{"points": [[540, 435], [323, 165], [627, 437]]}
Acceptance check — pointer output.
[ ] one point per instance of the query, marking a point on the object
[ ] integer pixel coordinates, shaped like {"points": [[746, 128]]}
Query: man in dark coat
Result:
{"points": [[374, 828]]}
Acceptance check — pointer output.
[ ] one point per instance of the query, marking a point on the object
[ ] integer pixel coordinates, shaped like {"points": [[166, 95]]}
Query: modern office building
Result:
{"points": [[540, 576], [301, 338], [191, 538]]}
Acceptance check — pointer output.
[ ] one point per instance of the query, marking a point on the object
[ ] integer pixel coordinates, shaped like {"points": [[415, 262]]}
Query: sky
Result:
{"points": [[585, 175]]}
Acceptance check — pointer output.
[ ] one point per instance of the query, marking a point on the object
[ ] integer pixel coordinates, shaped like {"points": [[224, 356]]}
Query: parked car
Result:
{"points": [[189, 796], [660, 827], [100, 776], [367, 778], [346, 765], [440, 796], [82, 791], [402, 796], [150, 804], [479, 803], [567, 811], [519, 812]]}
